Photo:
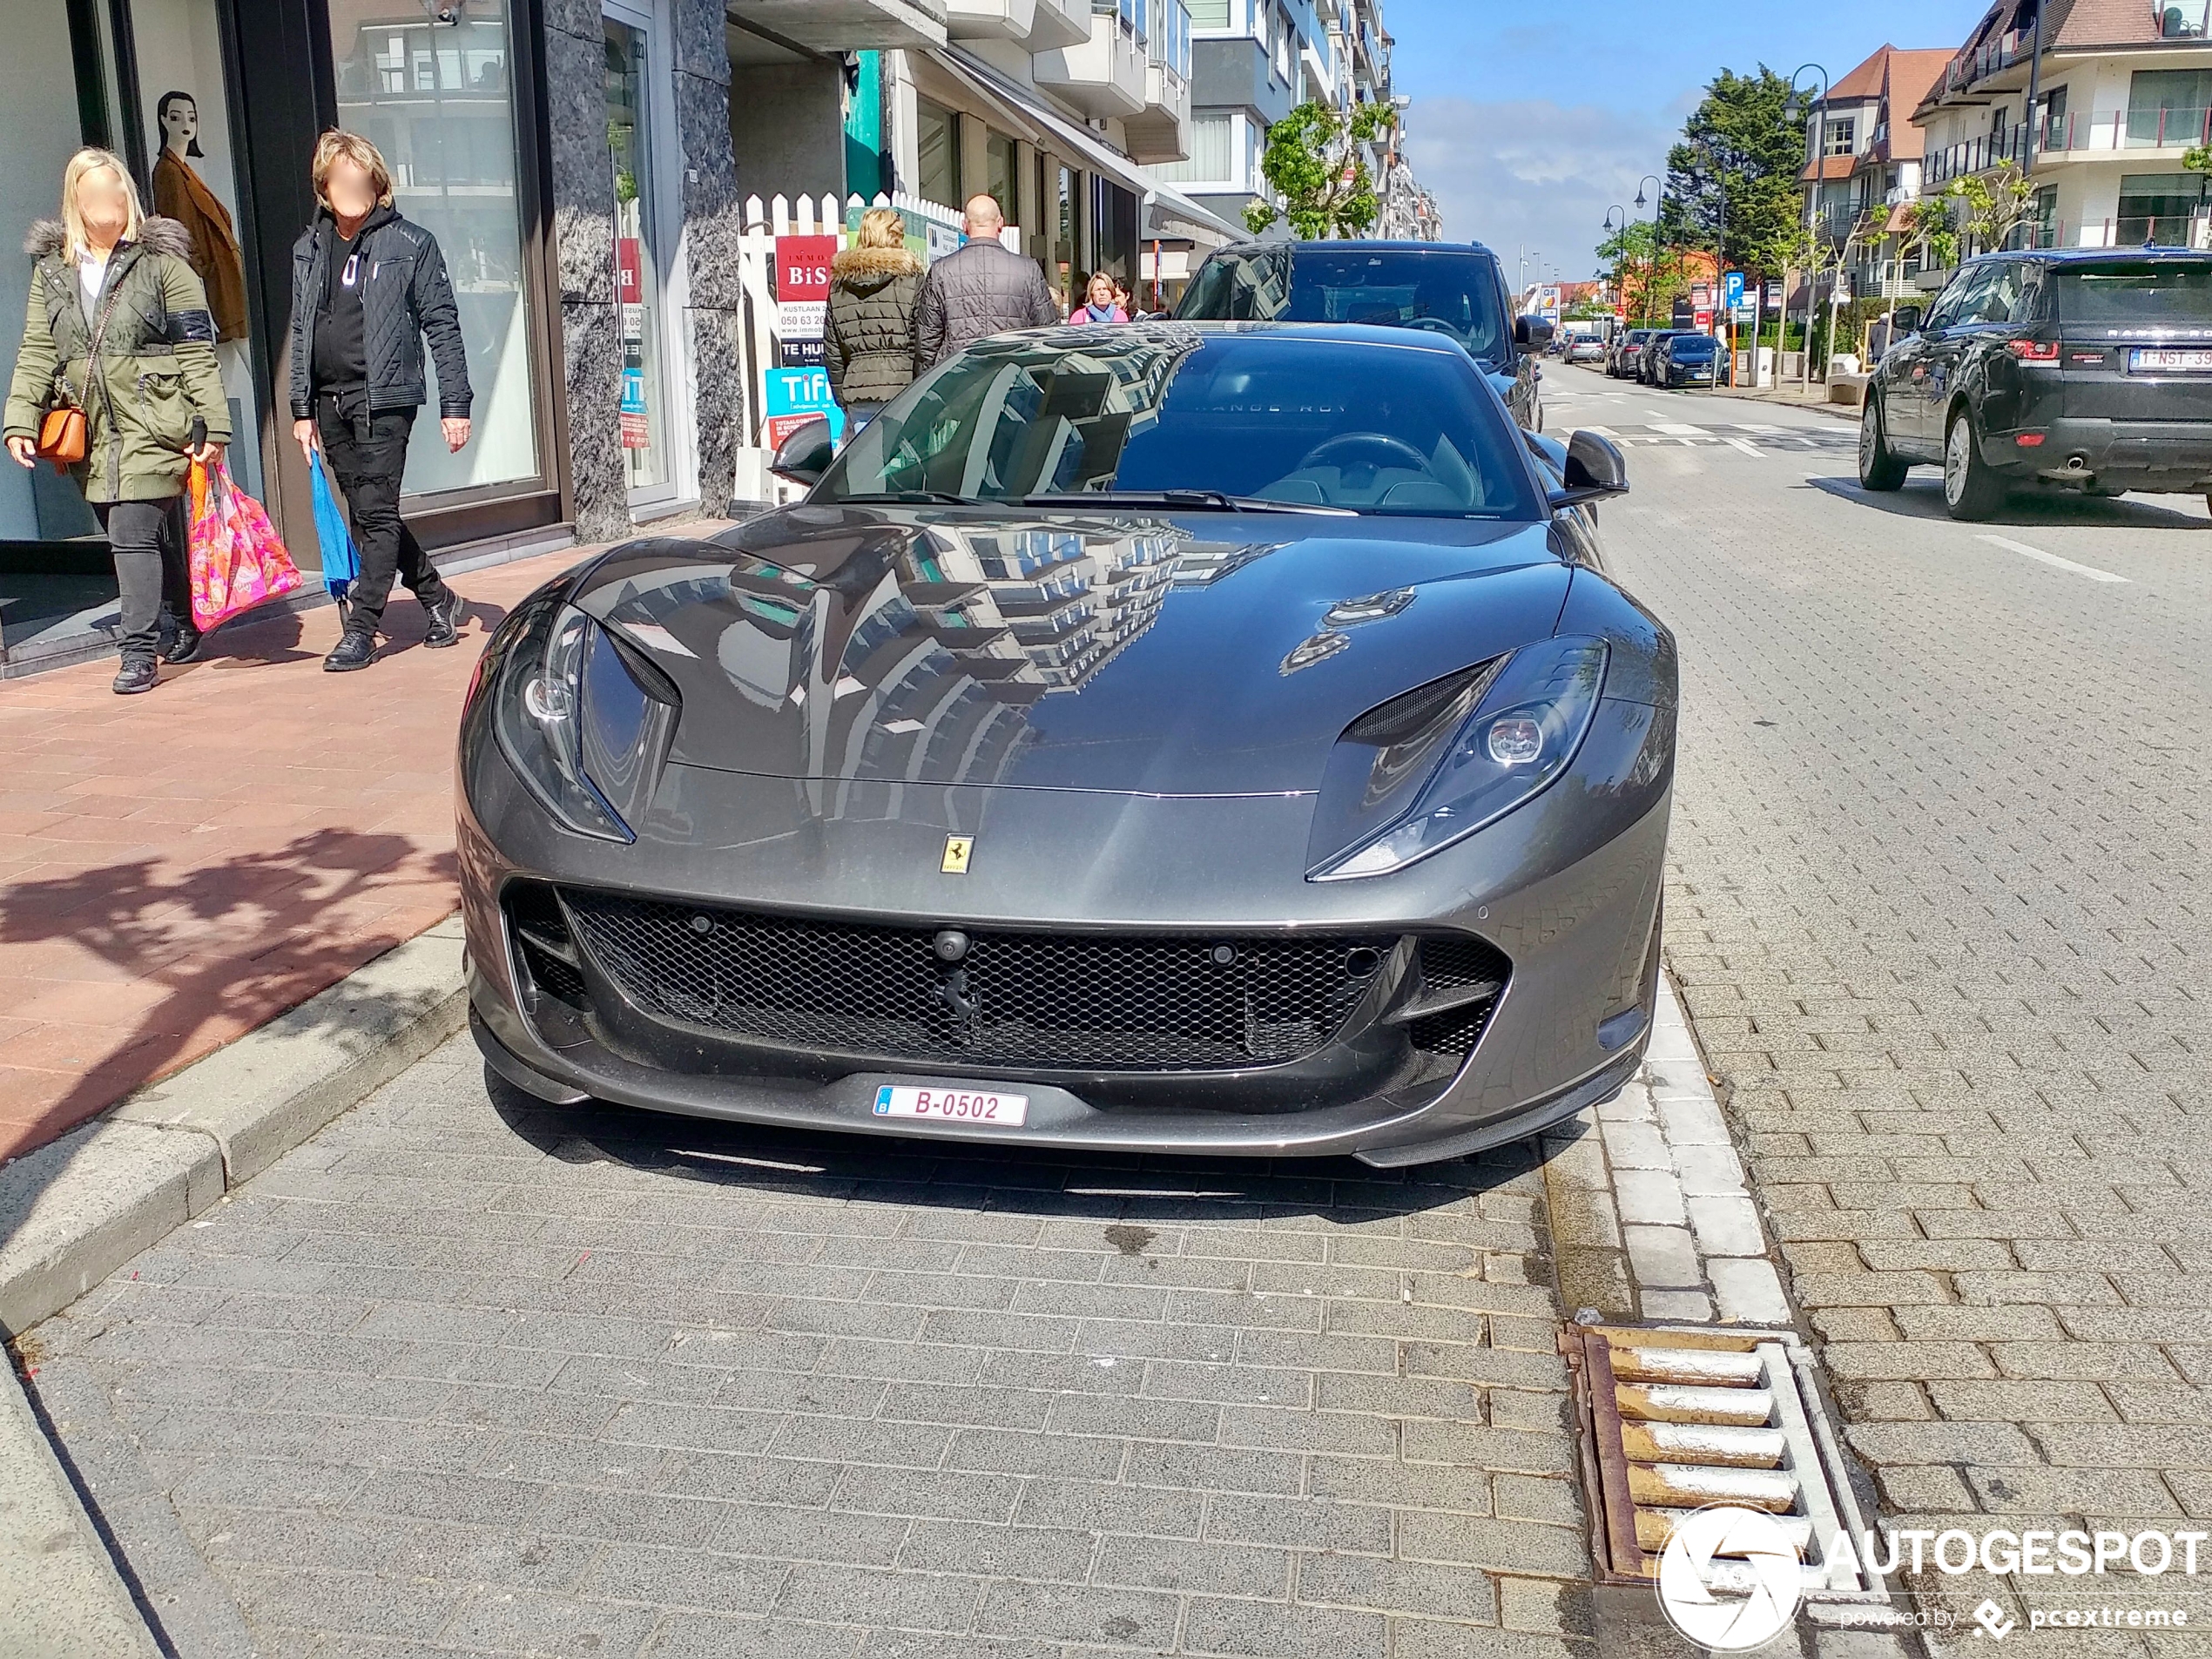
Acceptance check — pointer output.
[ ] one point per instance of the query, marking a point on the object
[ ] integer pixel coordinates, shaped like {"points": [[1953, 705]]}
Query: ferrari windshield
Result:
{"points": [[1319, 418]]}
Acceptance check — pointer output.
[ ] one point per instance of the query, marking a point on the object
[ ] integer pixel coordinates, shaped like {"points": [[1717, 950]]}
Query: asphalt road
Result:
{"points": [[1938, 911]]}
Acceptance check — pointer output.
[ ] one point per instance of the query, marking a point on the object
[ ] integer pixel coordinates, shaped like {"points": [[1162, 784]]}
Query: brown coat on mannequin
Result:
{"points": [[181, 194]]}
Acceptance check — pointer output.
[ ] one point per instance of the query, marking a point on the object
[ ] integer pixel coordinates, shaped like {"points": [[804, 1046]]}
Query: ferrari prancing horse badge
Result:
{"points": [[957, 848]]}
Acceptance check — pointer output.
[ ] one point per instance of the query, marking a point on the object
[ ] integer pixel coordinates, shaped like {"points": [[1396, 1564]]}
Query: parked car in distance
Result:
{"points": [[1687, 360], [1647, 359], [1620, 357], [2088, 369], [1585, 348], [1457, 290]]}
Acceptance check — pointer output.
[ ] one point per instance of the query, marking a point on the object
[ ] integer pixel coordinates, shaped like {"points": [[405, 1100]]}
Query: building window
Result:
{"points": [[937, 153], [2157, 207], [1210, 160], [998, 172], [1838, 136], [439, 102], [1209, 14], [1113, 230], [2169, 106]]}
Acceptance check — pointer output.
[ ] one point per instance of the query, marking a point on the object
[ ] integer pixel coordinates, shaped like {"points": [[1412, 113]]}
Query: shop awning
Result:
{"points": [[1167, 211]]}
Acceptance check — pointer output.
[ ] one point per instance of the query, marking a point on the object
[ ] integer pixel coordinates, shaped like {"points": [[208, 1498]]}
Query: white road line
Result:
{"points": [[2025, 552], [1751, 450], [1603, 431], [1679, 429]]}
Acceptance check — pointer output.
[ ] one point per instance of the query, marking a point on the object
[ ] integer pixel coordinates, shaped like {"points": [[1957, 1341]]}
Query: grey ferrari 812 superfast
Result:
{"points": [[1208, 738]]}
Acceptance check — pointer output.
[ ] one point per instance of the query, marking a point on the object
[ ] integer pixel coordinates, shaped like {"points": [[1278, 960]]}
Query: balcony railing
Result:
{"points": [[2182, 19], [2000, 54], [1977, 155], [2176, 129]]}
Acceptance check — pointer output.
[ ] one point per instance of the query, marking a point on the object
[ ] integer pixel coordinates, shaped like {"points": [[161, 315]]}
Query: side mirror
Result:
{"points": [[1906, 321], [804, 456], [1595, 469], [1531, 333]]}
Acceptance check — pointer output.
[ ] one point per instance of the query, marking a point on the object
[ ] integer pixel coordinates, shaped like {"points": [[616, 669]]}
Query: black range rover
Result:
{"points": [[2089, 367]]}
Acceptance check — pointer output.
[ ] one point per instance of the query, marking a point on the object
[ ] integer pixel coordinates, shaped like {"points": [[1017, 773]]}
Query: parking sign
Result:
{"points": [[1732, 289]]}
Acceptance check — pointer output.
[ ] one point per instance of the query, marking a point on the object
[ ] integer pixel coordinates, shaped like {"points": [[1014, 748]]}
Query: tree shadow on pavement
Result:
{"points": [[215, 950], [2026, 509], [1110, 1187]]}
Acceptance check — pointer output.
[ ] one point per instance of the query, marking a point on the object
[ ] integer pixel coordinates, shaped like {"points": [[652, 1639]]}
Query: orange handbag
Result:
{"points": [[61, 437]]}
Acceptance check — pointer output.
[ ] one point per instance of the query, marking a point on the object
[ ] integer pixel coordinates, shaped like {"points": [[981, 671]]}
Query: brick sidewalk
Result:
{"points": [[177, 869]]}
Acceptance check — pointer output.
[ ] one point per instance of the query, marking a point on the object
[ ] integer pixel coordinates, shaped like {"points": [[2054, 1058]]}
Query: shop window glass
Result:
{"points": [[937, 146], [637, 274], [998, 155], [439, 102]]}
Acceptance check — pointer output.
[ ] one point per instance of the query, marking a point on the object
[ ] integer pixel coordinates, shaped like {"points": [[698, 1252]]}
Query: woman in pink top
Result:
{"points": [[1101, 308]]}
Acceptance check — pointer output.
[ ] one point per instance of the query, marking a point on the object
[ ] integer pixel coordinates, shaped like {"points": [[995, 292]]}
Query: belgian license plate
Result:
{"points": [[984, 1106], [2144, 360]]}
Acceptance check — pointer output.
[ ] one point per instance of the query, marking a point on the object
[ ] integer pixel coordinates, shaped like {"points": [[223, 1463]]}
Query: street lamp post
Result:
{"points": [[1651, 275], [1817, 145], [1621, 293]]}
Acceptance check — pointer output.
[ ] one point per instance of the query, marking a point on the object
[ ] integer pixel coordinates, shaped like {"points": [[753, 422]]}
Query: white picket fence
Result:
{"points": [[939, 227]]}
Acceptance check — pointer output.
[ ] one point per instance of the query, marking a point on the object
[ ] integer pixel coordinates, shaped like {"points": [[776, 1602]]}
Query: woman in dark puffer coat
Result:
{"points": [[868, 337]]}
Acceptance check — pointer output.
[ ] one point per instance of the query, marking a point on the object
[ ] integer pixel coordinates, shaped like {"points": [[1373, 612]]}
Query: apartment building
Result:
{"points": [[2120, 90], [1863, 163]]}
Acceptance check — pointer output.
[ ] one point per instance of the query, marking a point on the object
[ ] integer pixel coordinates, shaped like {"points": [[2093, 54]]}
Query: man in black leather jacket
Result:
{"points": [[368, 285], [982, 290]]}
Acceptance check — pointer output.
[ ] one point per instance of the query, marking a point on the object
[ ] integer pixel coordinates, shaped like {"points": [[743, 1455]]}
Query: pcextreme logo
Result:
{"points": [[1773, 1585]]}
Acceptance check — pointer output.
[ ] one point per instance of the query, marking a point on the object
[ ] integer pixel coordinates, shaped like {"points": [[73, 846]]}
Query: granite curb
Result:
{"points": [[75, 1209]]}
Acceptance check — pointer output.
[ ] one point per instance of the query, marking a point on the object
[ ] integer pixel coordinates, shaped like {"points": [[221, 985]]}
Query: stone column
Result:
{"points": [[584, 221], [711, 228]]}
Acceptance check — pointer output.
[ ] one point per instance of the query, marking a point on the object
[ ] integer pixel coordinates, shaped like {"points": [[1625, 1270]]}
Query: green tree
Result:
{"points": [[1648, 272], [1996, 202], [1316, 161], [1743, 143], [1933, 234]]}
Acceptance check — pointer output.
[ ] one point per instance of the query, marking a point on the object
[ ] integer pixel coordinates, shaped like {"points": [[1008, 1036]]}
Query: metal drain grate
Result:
{"points": [[1677, 1418]]}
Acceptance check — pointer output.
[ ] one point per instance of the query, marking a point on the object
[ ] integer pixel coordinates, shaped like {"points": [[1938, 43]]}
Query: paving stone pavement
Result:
{"points": [[1937, 911], [467, 1373]]}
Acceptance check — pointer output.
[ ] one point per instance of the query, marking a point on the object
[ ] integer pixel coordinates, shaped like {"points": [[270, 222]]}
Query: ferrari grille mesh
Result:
{"points": [[1147, 1002]]}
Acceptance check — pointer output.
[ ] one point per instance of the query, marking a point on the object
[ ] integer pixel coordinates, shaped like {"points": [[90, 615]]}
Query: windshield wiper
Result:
{"points": [[915, 498], [1204, 501]]}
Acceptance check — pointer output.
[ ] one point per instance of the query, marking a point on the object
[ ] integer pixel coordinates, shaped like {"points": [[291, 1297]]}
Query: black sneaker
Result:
{"points": [[137, 674], [444, 626], [356, 650], [184, 646]]}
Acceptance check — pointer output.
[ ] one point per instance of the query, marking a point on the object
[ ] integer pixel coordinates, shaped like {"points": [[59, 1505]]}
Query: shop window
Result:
{"points": [[998, 161], [638, 277], [438, 101], [937, 153]]}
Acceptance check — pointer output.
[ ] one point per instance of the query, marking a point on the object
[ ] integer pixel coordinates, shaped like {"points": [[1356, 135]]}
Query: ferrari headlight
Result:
{"points": [[573, 718], [1532, 718]]}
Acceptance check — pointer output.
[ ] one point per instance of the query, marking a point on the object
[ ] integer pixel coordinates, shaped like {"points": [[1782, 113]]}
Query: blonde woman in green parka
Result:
{"points": [[868, 335], [108, 276]]}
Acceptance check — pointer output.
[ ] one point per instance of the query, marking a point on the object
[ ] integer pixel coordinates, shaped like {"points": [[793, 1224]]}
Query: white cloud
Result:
{"points": [[1534, 174]]}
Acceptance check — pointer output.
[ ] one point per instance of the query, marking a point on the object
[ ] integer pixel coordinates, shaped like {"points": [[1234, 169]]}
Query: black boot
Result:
{"points": [[184, 646], [356, 650], [443, 628], [137, 674]]}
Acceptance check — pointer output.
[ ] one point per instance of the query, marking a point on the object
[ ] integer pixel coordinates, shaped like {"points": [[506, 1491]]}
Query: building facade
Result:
{"points": [[2096, 103], [586, 166], [1864, 166]]}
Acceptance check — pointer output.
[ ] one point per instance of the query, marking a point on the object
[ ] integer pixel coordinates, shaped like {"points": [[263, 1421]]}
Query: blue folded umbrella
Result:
{"points": [[342, 561]]}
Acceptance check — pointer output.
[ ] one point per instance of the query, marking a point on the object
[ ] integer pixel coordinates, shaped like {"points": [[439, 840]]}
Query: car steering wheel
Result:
{"points": [[1400, 452], [1432, 325]]}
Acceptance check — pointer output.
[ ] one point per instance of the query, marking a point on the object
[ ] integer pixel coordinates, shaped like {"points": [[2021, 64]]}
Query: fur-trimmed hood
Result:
{"points": [[47, 237], [870, 266]]}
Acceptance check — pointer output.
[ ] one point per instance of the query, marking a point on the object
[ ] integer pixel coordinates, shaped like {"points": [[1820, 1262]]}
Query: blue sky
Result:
{"points": [[1529, 128]]}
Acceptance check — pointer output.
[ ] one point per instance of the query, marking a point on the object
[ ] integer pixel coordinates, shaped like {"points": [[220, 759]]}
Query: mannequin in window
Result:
{"points": [[181, 193]]}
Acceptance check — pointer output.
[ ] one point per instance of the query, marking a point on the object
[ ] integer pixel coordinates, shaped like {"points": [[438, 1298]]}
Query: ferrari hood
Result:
{"points": [[1207, 654]]}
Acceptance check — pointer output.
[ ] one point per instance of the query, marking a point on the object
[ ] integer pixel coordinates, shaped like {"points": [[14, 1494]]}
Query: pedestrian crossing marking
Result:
{"points": [[1753, 439]]}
